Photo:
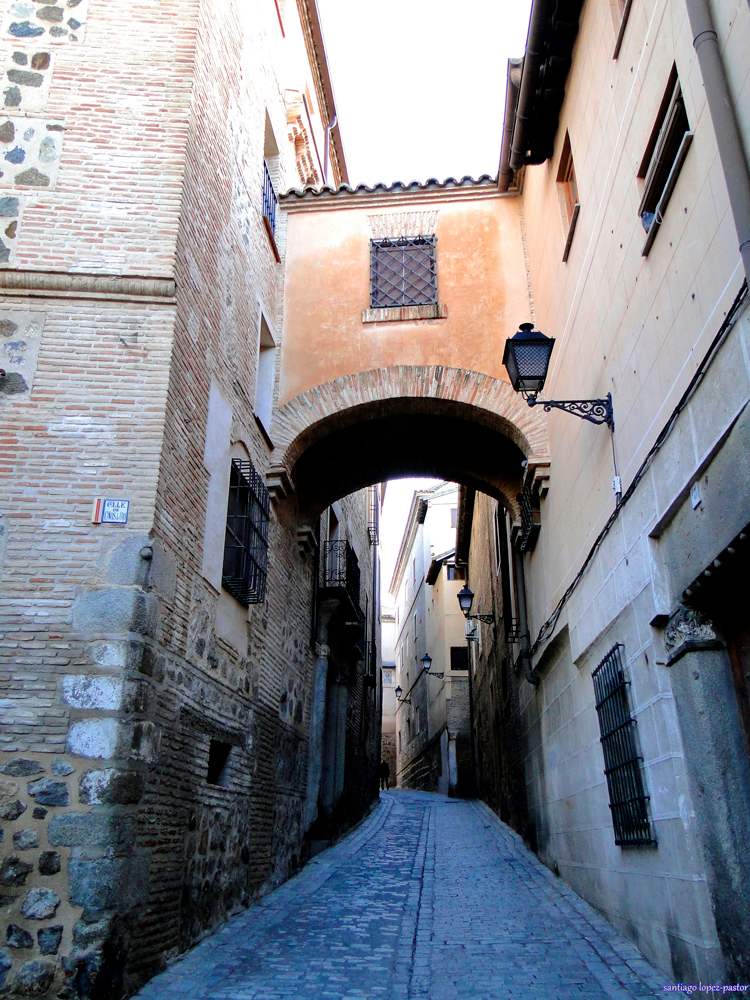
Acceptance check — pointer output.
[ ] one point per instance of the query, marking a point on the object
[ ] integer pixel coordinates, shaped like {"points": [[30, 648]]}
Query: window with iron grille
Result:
{"points": [[628, 801], [403, 272], [270, 204], [246, 540]]}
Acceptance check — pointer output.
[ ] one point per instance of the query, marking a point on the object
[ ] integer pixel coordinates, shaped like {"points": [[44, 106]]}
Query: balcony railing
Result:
{"points": [[270, 204], [340, 569]]}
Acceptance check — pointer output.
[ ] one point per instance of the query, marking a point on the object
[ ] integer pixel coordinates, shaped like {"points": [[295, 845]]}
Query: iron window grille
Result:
{"points": [[373, 515], [246, 540], [403, 272], [628, 801], [270, 203], [340, 568], [530, 519]]}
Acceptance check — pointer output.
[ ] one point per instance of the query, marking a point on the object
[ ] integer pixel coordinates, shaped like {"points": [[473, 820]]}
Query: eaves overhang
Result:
{"points": [[553, 29], [435, 564], [363, 195]]}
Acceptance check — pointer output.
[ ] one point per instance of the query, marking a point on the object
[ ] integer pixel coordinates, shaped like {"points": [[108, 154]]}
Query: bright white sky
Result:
{"points": [[398, 497], [420, 84]]}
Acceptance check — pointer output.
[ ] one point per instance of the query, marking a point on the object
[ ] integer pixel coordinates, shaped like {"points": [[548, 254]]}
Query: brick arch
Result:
{"points": [[487, 428]]}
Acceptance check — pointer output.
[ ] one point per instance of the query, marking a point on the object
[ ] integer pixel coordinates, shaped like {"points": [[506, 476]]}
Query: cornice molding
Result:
{"points": [[59, 284]]}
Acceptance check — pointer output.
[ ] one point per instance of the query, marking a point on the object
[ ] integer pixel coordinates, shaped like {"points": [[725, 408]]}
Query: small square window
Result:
{"points": [[459, 658], [218, 763], [403, 272], [665, 153]]}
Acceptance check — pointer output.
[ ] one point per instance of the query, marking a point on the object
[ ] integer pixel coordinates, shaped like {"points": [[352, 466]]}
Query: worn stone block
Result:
{"points": [[49, 939], [110, 787], [12, 810], [108, 883], [33, 979], [93, 692], [39, 813], [39, 904], [14, 871], [20, 767], [115, 610], [25, 840], [49, 863], [17, 937], [6, 963], [92, 830], [61, 767], [91, 933], [93, 738], [49, 793]]}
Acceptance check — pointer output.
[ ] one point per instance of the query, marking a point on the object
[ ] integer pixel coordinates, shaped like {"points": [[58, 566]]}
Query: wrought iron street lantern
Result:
{"points": [[527, 357], [427, 663], [465, 601], [399, 692]]}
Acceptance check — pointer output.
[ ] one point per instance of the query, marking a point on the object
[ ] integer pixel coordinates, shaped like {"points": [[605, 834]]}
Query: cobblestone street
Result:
{"points": [[429, 898]]}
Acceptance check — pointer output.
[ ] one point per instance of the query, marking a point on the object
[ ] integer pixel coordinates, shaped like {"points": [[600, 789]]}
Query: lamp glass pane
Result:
{"points": [[527, 356]]}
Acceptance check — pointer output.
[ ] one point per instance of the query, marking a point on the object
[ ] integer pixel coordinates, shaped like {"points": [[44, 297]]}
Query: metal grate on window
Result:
{"points": [[270, 203], [246, 541], [403, 272], [627, 798]]}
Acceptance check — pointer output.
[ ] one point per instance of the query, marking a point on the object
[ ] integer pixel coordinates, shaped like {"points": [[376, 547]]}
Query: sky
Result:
{"points": [[398, 497], [420, 84]]}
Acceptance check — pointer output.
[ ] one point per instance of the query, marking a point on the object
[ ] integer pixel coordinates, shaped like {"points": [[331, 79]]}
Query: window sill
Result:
{"points": [[271, 239], [401, 314], [571, 231]]}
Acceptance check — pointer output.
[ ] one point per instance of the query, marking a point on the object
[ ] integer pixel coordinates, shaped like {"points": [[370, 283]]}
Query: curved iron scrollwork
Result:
{"points": [[596, 411]]}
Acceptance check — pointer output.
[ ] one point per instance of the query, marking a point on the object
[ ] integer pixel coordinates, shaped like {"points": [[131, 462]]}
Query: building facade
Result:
{"points": [[433, 751], [189, 705], [388, 678], [612, 700]]}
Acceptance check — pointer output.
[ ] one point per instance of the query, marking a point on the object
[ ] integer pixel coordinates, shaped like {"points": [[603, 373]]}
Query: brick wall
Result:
{"points": [[122, 666]]}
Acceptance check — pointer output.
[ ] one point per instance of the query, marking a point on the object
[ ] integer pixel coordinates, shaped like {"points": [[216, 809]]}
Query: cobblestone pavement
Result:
{"points": [[429, 899]]}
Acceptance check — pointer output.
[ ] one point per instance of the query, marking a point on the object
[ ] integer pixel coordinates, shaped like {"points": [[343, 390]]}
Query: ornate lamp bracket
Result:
{"points": [[596, 411]]}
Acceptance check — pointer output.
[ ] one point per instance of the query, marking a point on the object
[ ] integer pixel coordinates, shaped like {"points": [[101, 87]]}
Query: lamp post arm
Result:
{"points": [[596, 411], [487, 619]]}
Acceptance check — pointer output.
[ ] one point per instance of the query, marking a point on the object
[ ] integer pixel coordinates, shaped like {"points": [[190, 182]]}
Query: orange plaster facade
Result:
{"points": [[481, 281]]}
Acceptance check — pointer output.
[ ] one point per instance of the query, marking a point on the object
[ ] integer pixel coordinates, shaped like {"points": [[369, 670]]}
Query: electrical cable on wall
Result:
{"points": [[549, 626]]}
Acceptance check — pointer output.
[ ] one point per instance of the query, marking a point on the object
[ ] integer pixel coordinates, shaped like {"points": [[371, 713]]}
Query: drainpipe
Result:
{"points": [[541, 12], [511, 100], [329, 128], [724, 119]]}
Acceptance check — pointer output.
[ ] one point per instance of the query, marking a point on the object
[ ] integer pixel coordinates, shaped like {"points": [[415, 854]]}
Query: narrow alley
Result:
{"points": [[429, 897]]}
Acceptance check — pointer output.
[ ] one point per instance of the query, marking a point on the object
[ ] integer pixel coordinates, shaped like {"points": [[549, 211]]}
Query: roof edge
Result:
{"points": [[313, 35]]}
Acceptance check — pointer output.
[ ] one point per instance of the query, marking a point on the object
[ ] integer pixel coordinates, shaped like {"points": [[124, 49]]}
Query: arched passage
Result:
{"points": [[407, 420]]}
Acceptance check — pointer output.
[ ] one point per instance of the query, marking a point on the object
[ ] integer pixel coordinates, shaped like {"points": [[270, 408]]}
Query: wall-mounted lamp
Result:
{"points": [[526, 358], [465, 600], [399, 692], [427, 663]]}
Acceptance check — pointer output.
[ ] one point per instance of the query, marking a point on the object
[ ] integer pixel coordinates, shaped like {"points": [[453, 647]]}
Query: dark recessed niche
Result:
{"points": [[218, 763]]}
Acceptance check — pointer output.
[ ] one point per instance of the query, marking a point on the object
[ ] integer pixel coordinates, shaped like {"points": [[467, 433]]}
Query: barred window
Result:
{"points": [[627, 798], [246, 541], [403, 272]]}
